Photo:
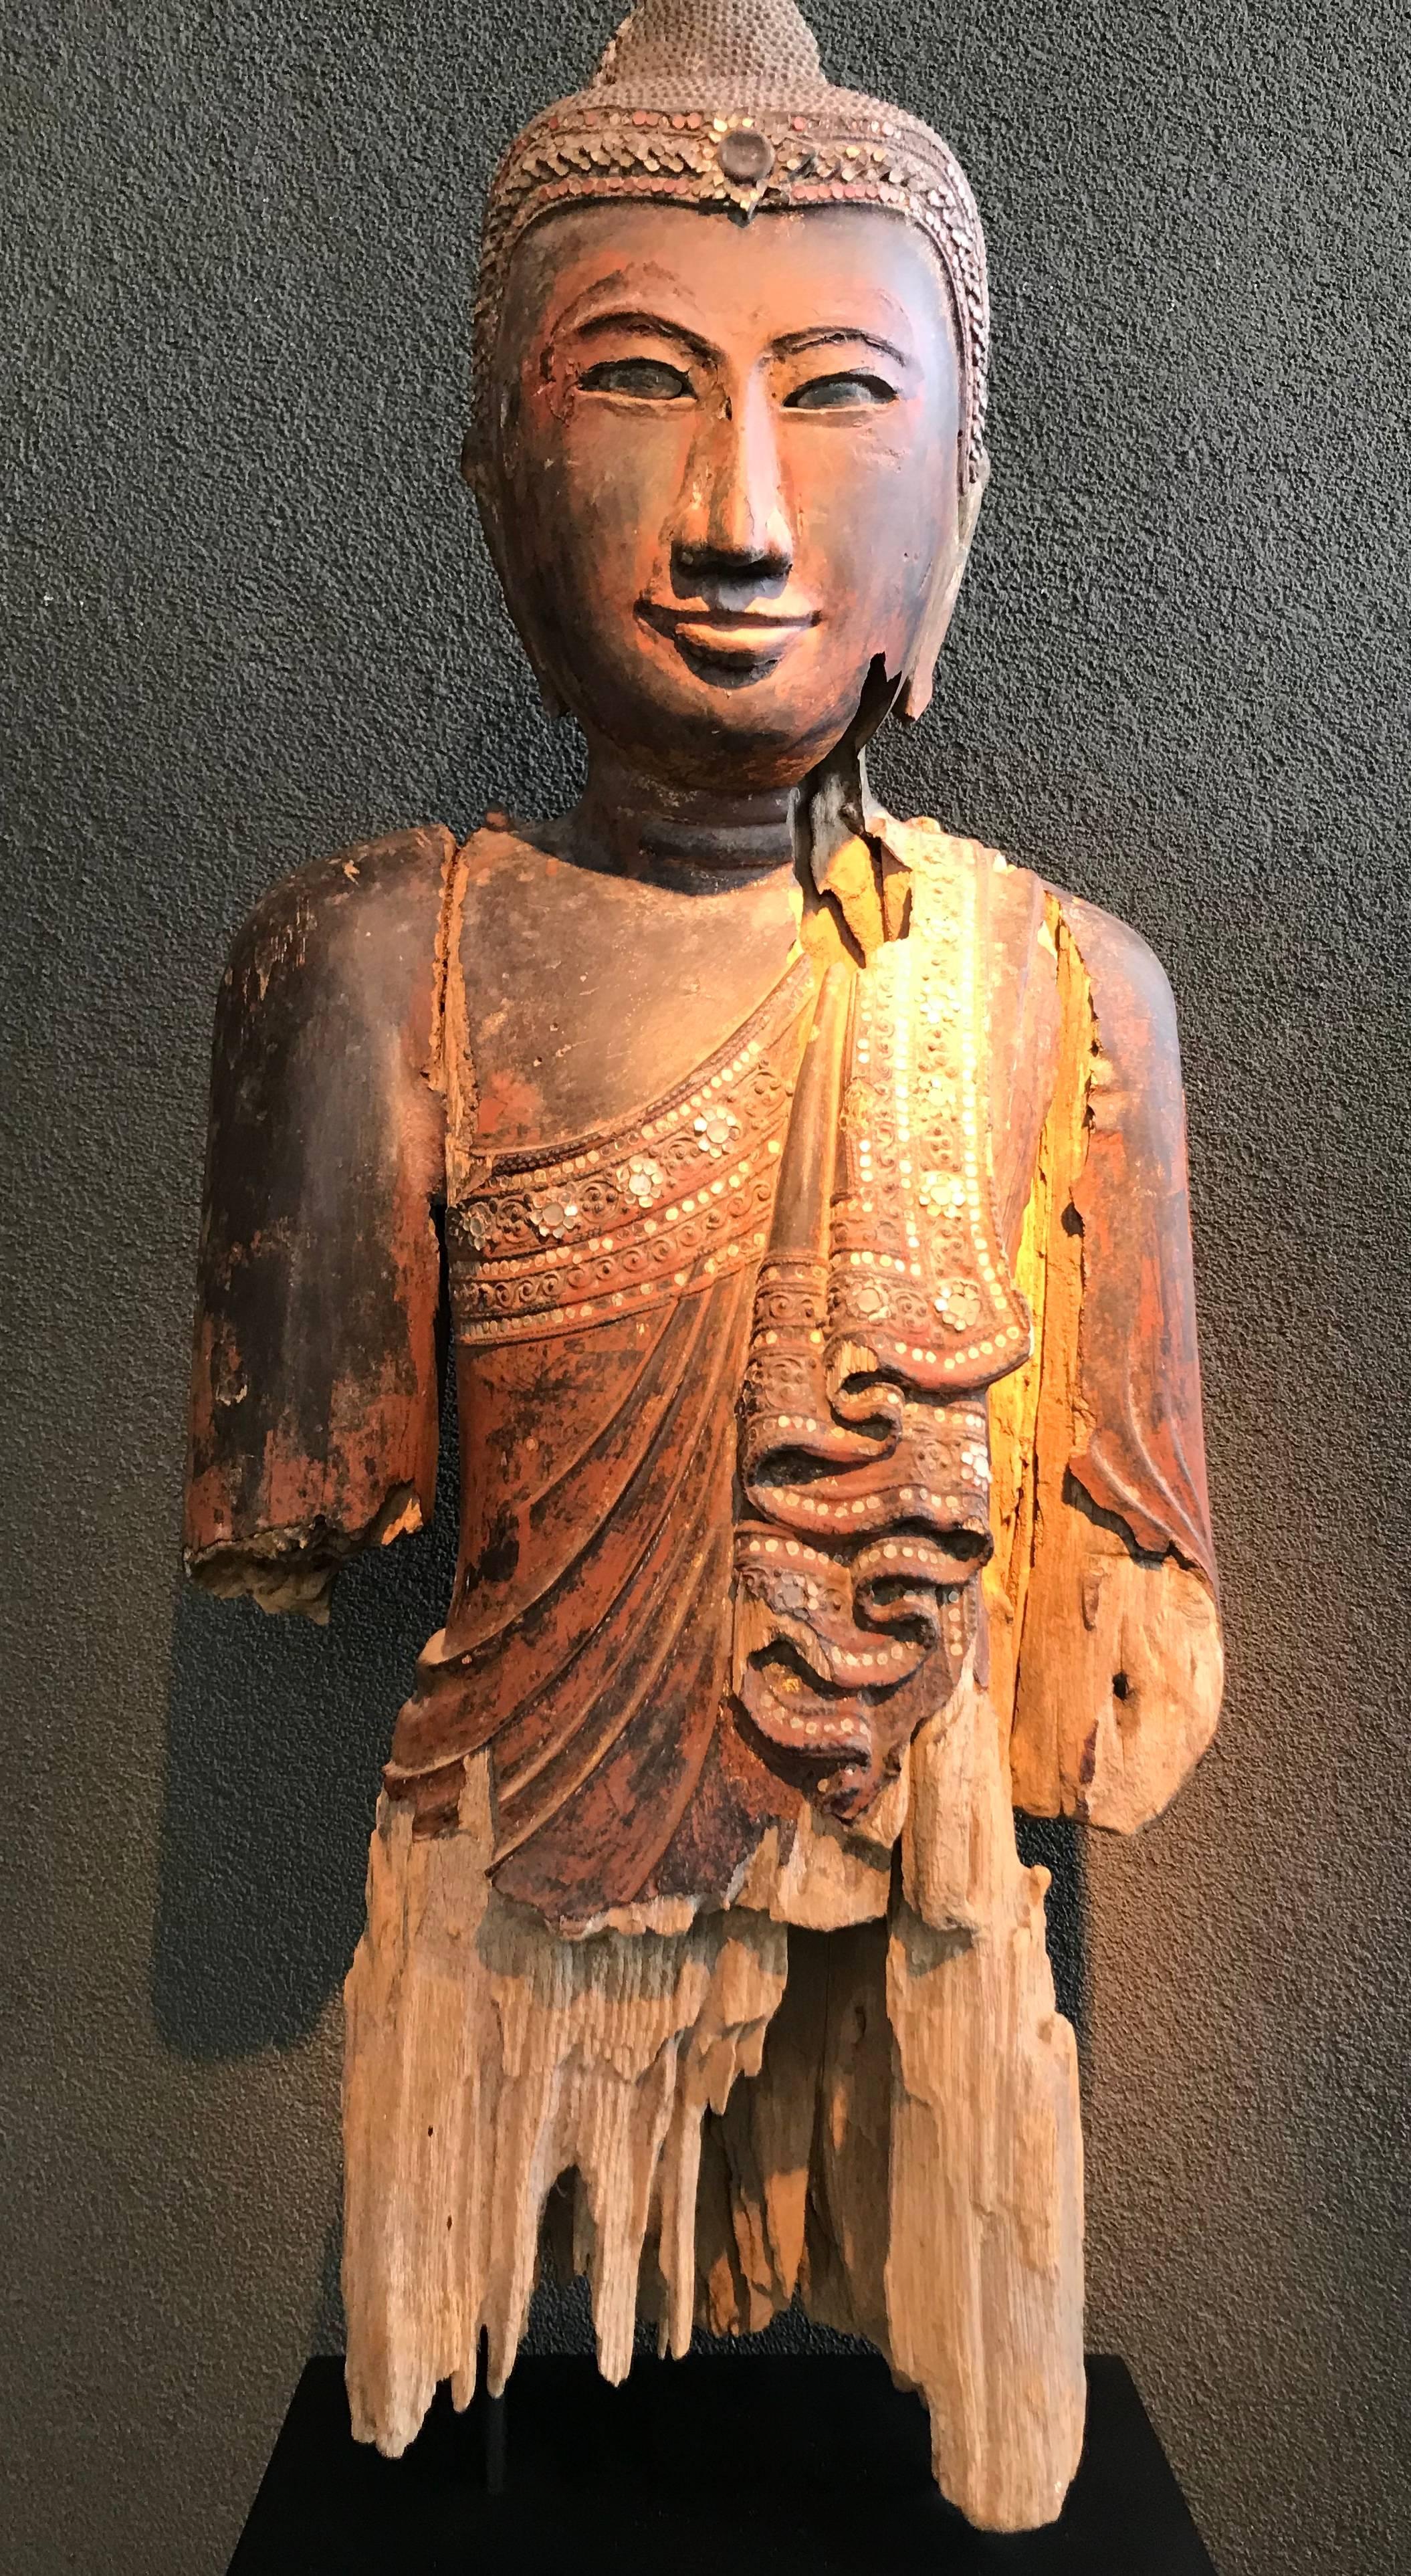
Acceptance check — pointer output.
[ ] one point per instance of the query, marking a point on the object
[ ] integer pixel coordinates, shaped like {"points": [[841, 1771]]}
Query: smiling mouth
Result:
{"points": [[726, 643]]}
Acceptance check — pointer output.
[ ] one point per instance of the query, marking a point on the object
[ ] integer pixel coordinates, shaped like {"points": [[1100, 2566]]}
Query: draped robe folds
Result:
{"points": [[832, 1474]]}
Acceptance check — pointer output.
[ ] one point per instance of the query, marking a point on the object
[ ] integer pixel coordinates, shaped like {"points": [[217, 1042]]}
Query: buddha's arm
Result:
{"points": [[1102, 1590], [314, 1385]]}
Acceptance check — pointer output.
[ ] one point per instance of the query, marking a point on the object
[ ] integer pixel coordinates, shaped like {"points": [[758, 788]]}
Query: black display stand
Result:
{"points": [[733, 2466]]}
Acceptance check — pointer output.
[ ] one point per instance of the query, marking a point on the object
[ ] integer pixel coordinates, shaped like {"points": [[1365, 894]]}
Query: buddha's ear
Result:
{"points": [[487, 504], [916, 687]]}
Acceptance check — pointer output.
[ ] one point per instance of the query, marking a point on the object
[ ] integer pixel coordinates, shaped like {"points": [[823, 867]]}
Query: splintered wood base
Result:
{"points": [[881, 2118]]}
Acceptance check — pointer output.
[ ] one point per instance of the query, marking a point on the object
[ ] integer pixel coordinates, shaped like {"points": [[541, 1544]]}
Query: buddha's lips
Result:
{"points": [[731, 635]]}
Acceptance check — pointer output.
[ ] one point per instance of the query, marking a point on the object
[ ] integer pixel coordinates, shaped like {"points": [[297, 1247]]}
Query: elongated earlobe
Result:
{"points": [[490, 520], [916, 688]]}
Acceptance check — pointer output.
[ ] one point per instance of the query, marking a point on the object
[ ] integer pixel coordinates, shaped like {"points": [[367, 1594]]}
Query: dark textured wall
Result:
{"points": [[248, 617]]}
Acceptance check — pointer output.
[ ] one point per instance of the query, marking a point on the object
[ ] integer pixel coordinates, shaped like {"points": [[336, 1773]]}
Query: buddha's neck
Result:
{"points": [[640, 827]]}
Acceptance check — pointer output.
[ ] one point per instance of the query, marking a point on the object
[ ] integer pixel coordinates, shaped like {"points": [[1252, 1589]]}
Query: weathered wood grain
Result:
{"points": [[485, 2058], [882, 2119]]}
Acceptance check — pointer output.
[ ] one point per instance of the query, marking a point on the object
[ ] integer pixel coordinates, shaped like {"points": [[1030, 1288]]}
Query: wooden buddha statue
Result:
{"points": [[803, 1194]]}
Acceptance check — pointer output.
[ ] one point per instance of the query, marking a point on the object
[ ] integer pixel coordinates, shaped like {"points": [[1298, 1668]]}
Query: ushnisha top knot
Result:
{"points": [[767, 46], [723, 104]]}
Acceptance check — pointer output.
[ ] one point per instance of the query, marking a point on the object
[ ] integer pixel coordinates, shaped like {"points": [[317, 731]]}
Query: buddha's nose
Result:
{"points": [[733, 534]]}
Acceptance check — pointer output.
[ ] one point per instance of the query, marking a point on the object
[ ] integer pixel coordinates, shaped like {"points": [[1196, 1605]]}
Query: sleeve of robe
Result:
{"points": [[314, 1405], [1103, 1599]]}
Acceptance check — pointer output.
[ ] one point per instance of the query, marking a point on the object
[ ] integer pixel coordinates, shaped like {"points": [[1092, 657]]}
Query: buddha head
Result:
{"points": [[731, 356]]}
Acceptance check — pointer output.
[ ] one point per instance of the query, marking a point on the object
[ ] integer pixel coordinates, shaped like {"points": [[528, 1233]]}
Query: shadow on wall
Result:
{"points": [[276, 1736], [1056, 1843]]}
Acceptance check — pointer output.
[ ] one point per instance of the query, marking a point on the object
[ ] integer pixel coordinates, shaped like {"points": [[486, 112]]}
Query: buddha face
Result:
{"points": [[728, 478]]}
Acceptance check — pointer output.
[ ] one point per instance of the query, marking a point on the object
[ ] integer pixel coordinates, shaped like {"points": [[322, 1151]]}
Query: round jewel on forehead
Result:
{"points": [[723, 105]]}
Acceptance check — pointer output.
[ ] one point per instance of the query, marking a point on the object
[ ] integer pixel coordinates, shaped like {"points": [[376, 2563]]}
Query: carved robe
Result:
{"points": [[832, 1473]]}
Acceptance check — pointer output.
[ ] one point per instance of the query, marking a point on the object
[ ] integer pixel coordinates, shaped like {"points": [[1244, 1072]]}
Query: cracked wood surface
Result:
{"points": [[881, 2119], [1104, 1621]]}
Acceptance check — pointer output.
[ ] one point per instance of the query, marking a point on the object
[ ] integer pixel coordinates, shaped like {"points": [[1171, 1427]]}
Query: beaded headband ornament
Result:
{"points": [[723, 104]]}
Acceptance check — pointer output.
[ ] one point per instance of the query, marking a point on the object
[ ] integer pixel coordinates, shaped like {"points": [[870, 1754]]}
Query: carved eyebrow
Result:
{"points": [[629, 318], [841, 335]]}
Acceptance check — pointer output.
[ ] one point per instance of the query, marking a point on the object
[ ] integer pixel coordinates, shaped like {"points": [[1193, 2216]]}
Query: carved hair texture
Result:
{"points": [[723, 104]]}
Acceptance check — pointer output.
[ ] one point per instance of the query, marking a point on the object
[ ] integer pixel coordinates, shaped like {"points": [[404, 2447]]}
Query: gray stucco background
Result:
{"points": [[248, 618]]}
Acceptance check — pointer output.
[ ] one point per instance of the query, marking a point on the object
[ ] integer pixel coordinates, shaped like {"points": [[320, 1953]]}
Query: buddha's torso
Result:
{"points": [[628, 1095], [734, 1179]]}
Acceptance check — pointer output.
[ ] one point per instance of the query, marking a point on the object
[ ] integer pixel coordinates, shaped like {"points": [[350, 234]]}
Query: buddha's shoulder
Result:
{"points": [[1127, 985], [363, 920], [1121, 968]]}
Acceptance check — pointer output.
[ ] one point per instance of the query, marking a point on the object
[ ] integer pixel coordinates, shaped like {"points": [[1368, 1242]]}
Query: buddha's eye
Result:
{"points": [[848, 392], [646, 379]]}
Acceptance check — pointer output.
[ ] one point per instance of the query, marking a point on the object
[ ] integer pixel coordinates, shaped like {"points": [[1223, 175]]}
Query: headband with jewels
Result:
{"points": [[722, 104]]}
